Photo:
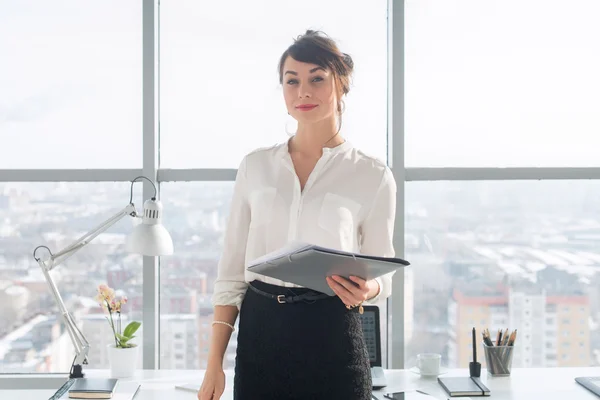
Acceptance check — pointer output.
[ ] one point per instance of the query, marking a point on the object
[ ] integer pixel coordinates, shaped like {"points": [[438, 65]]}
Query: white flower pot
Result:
{"points": [[122, 361]]}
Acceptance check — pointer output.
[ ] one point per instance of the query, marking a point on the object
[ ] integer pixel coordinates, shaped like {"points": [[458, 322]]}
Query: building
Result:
{"points": [[552, 324]]}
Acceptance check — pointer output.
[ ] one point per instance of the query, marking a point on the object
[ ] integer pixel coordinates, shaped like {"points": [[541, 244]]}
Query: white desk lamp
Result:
{"points": [[149, 238]]}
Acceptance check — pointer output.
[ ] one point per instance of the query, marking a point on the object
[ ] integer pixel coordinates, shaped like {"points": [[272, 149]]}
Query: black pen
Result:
{"points": [[474, 366]]}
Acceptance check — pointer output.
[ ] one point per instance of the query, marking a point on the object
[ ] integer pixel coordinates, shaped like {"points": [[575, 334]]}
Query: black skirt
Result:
{"points": [[305, 350]]}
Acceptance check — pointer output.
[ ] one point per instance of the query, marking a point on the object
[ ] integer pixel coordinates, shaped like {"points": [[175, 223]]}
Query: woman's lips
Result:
{"points": [[306, 107]]}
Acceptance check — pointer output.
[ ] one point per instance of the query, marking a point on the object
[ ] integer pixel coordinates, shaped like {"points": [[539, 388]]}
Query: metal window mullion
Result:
{"points": [[479, 174], [150, 274], [395, 338], [202, 174], [68, 175]]}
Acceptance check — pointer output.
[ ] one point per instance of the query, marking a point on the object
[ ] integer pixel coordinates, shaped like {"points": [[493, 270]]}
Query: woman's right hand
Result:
{"points": [[213, 384]]}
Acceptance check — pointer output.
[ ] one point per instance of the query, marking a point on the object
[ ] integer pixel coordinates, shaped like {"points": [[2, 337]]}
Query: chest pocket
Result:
{"points": [[339, 217], [261, 206]]}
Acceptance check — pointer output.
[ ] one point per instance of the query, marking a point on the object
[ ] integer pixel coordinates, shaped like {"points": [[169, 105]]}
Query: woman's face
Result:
{"points": [[309, 91]]}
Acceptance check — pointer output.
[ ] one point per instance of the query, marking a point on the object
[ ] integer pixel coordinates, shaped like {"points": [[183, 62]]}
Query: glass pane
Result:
{"points": [[195, 215], [220, 94], [502, 84], [71, 81], [504, 255], [32, 337]]}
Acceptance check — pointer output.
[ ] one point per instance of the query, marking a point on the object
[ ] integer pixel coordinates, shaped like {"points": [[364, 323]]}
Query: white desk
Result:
{"points": [[546, 384]]}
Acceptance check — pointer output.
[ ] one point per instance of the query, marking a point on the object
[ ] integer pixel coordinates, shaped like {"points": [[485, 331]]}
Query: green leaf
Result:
{"points": [[131, 328], [122, 338]]}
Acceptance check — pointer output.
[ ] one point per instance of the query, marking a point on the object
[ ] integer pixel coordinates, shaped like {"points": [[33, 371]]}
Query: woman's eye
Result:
{"points": [[317, 79], [292, 82]]}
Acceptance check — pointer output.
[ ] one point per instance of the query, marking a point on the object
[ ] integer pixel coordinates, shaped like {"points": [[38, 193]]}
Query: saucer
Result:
{"points": [[417, 371]]}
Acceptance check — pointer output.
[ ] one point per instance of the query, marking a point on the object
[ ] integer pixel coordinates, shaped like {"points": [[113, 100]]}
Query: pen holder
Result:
{"points": [[498, 359]]}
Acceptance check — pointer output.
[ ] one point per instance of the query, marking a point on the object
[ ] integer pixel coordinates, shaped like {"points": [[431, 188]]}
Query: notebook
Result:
{"points": [[590, 383], [463, 386], [308, 265], [92, 388]]}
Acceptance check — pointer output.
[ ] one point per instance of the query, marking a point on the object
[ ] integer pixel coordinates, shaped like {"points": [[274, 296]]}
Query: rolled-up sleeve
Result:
{"points": [[377, 231], [230, 286]]}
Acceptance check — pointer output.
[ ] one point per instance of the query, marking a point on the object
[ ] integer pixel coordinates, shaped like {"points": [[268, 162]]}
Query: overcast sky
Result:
{"points": [[488, 83]]}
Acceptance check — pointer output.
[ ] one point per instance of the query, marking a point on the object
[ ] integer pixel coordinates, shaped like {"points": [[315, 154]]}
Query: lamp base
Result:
{"points": [[76, 372]]}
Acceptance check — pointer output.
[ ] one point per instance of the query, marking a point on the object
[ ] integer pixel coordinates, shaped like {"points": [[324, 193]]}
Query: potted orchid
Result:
{"points": [[122, 354]]}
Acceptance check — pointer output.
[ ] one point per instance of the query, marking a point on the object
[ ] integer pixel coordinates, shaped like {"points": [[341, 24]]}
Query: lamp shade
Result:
{"points": [[150, 238]]}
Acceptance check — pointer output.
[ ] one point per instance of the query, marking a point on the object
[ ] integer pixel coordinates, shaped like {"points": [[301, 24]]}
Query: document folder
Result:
{"points": [[308, 265]]}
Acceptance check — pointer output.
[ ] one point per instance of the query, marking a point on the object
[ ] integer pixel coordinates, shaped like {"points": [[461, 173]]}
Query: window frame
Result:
{"points": [[395, 137]]}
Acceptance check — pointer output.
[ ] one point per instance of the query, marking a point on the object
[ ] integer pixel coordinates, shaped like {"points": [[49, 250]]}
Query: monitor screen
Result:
{"points": [[370, 332]]}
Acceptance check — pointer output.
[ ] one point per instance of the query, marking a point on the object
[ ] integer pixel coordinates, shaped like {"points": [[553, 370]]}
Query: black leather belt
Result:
{"points": [[283, 299]]}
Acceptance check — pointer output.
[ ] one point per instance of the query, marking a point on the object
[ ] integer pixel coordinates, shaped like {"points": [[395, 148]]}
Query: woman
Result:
{"points": [[313, 188]]}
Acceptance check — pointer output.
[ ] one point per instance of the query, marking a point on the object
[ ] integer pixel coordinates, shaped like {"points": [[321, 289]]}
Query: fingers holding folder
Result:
{"points": [[353, 291]]}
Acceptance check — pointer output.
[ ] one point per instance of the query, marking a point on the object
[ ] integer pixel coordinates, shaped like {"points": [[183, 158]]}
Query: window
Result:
{"points": [[488, 240], [195, 215], [224, 89], [72, 97], [72, 91], [33, 338], [535, 81]]}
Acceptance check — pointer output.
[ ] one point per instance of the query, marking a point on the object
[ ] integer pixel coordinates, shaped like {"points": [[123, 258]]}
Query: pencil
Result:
{"points": [[513, 337]]}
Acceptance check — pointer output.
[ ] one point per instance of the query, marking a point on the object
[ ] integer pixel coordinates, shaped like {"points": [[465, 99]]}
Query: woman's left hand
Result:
{"points": [[354, 291]]}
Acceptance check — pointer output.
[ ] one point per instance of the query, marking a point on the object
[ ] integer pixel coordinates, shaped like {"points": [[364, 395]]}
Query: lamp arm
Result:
{"points": [[67, 252], [79, 341], [77, 338]]}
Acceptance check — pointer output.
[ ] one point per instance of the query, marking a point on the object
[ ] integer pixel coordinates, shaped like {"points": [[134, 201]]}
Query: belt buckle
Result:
{"points": [[279, 299]]}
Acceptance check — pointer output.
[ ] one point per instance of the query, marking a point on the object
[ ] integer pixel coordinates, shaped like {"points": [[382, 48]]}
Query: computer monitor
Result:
{"points": [[372, 334]]}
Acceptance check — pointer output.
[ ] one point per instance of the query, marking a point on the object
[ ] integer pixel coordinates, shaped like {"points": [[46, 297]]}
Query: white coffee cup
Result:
{"points": [[429, 363]]}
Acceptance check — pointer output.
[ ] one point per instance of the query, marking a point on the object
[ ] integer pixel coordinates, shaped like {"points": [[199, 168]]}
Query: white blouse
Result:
{"points": [[348, 203]]}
